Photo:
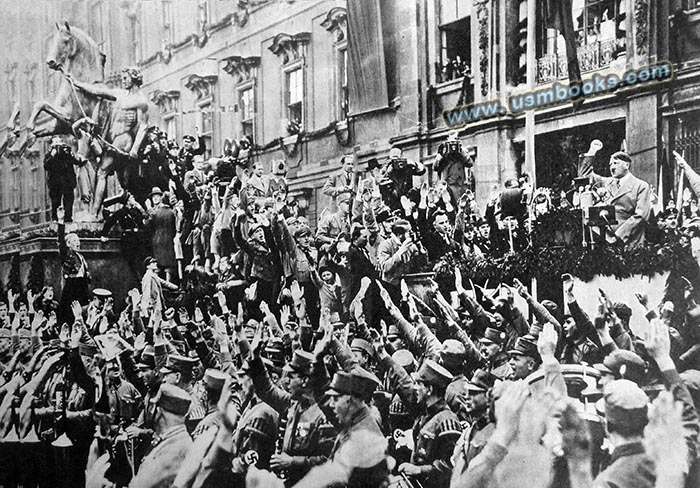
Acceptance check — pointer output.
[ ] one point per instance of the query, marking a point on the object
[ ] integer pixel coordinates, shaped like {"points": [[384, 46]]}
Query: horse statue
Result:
{"points": [[11, 130], [108, 123]]}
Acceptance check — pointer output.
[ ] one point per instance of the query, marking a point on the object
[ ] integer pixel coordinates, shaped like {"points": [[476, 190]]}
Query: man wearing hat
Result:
{"points": [[491, 349], [400, 177], [171, 442], [187, 152], [308, 438], [629, 195], [60, 178], [481, 424], [152, 301], [161, 222], [398, 255], [179, 371], [368, 196], [349, 394], [524, 358], [213, 383], [453, 164], [436, 430], [343, 182]]}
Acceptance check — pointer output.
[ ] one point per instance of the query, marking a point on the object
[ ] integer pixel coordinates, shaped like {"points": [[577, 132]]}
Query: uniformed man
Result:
{"points": [[179, 371], [213, 383], [171, 442], [307, 437], [491, 349], [524, 358], [482, 425], [349, 395], [436, 431]]}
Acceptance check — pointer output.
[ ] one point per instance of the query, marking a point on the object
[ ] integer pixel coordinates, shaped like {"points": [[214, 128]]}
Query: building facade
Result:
{"points": [[286, 74]]}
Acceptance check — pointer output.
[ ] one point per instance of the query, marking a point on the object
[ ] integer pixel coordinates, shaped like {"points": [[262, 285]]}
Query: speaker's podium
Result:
{"points": [[598, 219]]}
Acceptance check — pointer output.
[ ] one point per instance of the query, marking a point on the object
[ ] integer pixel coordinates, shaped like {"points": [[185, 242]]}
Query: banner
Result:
{"points": [[367, 82]]}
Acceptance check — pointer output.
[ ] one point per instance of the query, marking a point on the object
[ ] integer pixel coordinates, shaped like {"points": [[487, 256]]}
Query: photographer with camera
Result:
{"points": [[60, 178], [453, 165], [398, 178]]}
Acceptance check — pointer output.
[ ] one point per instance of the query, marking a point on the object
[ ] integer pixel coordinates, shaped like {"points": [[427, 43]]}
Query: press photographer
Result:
{"points": [[453, 164], [60, 178], [398, 179]]}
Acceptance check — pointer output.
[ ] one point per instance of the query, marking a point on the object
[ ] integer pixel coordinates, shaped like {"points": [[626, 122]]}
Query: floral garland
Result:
{"points": [[556, 248]]}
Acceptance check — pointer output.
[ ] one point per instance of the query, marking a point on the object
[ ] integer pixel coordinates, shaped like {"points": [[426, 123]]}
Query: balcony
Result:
{"points": [[592, 57]]}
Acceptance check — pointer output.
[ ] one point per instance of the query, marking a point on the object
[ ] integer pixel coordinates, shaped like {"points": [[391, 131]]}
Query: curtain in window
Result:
{"points": [[367, 82], [558, 15]]}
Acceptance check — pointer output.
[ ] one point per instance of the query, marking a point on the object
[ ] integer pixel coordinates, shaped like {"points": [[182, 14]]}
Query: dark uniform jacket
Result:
{"points": [[471, 443], [307, 436], [59, 170], [435, 434]]}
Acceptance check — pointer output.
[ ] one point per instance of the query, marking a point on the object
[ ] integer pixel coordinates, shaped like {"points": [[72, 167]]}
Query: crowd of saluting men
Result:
{"points": [[262, 350]]}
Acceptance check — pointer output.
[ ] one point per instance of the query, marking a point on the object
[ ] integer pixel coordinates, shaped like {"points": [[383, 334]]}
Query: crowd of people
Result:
{"points": [[261, 349]]}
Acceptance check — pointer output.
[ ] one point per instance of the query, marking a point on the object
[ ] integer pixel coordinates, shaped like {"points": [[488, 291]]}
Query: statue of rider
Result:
{"points": [[126, 132]]}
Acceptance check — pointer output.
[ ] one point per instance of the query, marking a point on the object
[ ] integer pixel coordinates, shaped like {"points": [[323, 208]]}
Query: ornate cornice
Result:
{"points": [[243, 69], [482, 16], [201, 86], [290, 47], [336, 22], [166, 100]]}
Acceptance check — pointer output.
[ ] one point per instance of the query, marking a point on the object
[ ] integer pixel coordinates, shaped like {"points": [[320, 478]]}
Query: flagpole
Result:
{"points": [[531, 73]]}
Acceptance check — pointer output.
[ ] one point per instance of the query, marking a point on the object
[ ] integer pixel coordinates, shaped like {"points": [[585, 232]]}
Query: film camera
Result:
{"points": [[448, 147]]}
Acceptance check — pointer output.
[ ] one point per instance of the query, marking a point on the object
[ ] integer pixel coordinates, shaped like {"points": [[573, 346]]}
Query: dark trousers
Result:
{"points": [[73, 289], [65, 193]]}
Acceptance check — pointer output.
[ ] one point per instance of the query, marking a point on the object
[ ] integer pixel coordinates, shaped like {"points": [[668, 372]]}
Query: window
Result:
{"points": [[247, 111], [343, 83], [97, 26], [600, 33], [171, 127], [203, 14], [206, 126], [295, 96], [168, 27], [455, 40]]}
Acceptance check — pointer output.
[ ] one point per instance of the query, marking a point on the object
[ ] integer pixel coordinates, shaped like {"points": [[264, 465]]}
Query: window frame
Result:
{"points": [[241, 89], [288, 70], [443, 27]]}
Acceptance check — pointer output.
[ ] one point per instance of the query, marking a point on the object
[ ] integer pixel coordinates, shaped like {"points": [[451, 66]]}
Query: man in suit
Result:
{"points": [[152, 289], [398, 256], [630, 196], [257, 187], [343, 182]]}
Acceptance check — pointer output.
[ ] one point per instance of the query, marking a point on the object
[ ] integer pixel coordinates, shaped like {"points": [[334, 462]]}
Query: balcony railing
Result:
{"points": [[591, 57]]}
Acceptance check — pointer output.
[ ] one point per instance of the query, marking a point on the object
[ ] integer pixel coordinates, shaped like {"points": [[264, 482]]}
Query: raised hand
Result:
{"points": [[388, 302], [229, 408], [657, 341], [259, 340], [547, 341], [140, 341], [508, 408], [264, 307], [285, 315], [198, 315], [77, 310], [680, 161], [459, 286], [183, 315], [519, 287], [222, 301], [38, 321], [75, 335], [251, 292]]}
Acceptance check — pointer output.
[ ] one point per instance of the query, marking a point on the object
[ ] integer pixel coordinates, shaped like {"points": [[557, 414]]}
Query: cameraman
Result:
{"points": [[453, 164], [399, 178], [60, 178]]}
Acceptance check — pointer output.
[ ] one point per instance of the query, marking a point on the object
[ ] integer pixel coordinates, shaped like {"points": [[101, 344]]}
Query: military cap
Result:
{"points": [[149, 260], [302, 230], [362, 345], [392, 332], [453, 352], [625, 404], [5, 333], [625, 364], [188, 137], [172, 399], [156, 191], [338, 324], [56, 141], [301, 363], [432, 373], [397, 407], [481, 381], [214, 379], [494, 336], [148, 358], [101, 293], [88, 349], [274, 352], [383, 214], [525, 346], [179, 364], [358, 382]]}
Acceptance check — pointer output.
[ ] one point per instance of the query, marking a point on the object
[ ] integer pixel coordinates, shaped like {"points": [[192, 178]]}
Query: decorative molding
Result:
{"points": [[166, 100], [290, 47], [202, 86], [243, 69], [482, 18], [336, 22], [641, 28], [131, 7]]}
